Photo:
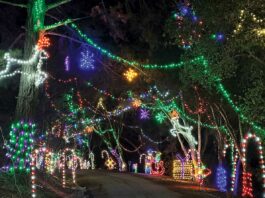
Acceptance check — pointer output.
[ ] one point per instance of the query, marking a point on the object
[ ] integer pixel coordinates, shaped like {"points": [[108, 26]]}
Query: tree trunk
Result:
{"points": [[28, 93]]}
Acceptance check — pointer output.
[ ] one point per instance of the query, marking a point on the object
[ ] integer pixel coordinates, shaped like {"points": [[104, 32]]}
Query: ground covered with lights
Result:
{"points": [[132, 98]]}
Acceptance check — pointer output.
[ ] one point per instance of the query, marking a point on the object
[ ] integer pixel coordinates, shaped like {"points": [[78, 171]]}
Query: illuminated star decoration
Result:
{"points": [[130, 74], [160, 117], [144, 114], [87, 60]]}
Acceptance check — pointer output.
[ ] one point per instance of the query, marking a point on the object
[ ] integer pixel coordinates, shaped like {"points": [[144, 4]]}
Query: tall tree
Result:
{"points": [[28, 92]]}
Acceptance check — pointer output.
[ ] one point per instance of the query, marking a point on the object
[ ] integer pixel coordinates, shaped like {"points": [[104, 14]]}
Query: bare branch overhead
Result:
{"points": [[14, 4], [57, 4]]}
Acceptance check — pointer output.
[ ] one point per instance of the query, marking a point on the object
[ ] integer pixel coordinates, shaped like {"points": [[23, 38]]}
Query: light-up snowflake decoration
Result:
{"points": [[144, 114], [130, 75], [87, 60], [160, 117]]}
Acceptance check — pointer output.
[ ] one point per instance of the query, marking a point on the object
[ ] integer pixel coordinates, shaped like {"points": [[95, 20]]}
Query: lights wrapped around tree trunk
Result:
{"points": [[247, 176], [221, 179]]}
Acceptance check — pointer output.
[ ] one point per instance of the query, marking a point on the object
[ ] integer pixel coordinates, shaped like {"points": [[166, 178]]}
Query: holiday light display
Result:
{"points": [[153, 163], [217, 37], [136, 103], [92, 159], [183, 130], [38, 56], [247, 189], [242, 18], [144, 114], [182, 168], [87, 60], [200, 60], [235, 175], [185, 16], [221, 179], [121, 163], [33, 174], [62, 166], [20, 145], [43, 41], [109, 163], [89, 129], [160, 117], [247, 176], [135, 168], [130, 74], [67, 63]]}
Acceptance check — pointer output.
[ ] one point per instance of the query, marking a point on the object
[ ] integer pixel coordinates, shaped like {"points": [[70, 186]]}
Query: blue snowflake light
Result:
{"points": [[87, 60]]}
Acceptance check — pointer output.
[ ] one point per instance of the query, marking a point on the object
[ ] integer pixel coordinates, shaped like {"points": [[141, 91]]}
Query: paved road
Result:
{"points": [[103, 184]]}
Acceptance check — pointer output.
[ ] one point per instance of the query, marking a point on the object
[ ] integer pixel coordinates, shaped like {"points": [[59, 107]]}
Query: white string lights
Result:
{"points": [[38, 56]]}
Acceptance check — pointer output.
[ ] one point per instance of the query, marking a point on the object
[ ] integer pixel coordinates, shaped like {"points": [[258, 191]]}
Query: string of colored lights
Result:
{"points": [[198, 60]]}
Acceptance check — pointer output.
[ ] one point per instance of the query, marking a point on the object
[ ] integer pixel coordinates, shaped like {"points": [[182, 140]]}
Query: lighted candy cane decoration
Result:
{"points": [[247, 176], [92, 159], [33, 174], [235, 175], [235, 165], [141, 157], [74, 163]]}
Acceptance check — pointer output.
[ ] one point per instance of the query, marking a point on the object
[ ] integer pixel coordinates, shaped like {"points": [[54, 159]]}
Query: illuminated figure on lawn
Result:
{"points": [[153, 163]]}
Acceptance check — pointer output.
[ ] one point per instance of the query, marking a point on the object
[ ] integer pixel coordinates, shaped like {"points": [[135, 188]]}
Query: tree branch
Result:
{"points": [[14, 4], [61, 23], [57, 4]]}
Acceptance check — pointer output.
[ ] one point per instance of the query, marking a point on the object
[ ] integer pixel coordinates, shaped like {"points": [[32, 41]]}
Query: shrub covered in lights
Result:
{"points": [[20, 145]]}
